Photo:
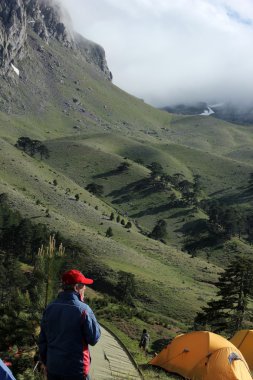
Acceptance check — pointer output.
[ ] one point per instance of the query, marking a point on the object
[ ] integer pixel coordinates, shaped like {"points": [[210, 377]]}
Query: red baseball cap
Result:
{"points": [[73, 276]]}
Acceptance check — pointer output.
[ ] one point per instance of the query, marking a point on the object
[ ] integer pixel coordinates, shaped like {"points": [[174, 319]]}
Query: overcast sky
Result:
{"points": [[170, 51]]}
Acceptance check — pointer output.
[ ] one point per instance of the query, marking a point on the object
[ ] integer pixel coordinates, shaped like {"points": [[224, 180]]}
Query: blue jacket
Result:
{"points": [[68, 326], [5, 372]]}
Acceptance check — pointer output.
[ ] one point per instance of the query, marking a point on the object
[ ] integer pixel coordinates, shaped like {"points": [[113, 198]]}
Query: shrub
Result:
{"points": [[128, 225], [109, 232], [95, 189]]}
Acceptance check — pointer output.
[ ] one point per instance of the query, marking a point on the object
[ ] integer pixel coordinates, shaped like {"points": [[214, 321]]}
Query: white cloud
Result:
{"points": [[167, 51]]}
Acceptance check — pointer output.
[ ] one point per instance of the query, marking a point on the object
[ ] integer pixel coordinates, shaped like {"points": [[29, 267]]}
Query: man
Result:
{"points": [[68, 326], [144, 341]]}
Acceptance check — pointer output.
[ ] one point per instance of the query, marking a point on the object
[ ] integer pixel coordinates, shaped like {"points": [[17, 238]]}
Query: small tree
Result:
{"points": [[176, 178], [95, 189], [224, 221], [112, 217], [185, 186], [159, 231], [123, 167], [118, 219], [33, 147], [227, 312], [155, 168], [126, 287], [129, 225], [23, 143], [109, 232], [43, 151], [48, 263], [77, 197], [122, 222]]}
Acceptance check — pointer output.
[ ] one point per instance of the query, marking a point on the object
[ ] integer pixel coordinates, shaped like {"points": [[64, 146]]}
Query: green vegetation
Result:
{"points": [[109, 232], [175, 191], [30, 279], [28, 282], [95, 189], [32, 147], [227, 313], [159, 231]]}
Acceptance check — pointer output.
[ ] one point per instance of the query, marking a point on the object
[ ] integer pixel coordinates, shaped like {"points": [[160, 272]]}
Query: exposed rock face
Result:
{"points": [[45, 18], [12, 31], [93, 53]]}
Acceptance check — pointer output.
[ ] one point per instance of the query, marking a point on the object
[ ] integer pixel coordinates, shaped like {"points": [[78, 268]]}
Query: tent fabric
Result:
{"points": [[110, 361], [243, 340], [203, 355], [5, 372], [219, 364]]}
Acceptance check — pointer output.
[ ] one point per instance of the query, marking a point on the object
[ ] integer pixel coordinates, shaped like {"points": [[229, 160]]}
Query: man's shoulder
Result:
{"points": [[83, 307], [69, 301]]}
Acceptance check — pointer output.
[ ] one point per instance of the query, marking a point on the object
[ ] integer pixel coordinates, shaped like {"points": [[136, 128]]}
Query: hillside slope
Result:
{"points": [[63, 98]]}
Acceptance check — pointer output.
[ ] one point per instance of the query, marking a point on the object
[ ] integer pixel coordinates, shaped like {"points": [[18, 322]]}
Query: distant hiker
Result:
{"points": [[144, 341], [68, 327]]}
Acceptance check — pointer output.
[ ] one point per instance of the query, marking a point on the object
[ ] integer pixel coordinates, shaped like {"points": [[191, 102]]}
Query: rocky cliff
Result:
{"points": [[47, 19], [13, 24]]}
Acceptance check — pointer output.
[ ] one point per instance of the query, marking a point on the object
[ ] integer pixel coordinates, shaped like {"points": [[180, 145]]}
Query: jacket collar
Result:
{"points": [[69, 295]]}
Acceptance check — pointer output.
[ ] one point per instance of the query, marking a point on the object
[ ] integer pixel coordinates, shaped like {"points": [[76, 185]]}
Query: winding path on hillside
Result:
{"points": [[111, 361]]}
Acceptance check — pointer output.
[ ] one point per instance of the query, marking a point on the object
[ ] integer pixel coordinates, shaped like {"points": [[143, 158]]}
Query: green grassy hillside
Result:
{"points": [[29, 184], [90, 127]]}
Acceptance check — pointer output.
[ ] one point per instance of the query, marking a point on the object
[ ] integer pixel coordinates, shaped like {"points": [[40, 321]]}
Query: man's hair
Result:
{"points": [[70, 287], [67, 287]]}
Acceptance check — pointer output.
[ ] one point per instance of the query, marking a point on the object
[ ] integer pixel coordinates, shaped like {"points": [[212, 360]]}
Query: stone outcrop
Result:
{"points": [[47, 19], [13, 22], [93, 53]]}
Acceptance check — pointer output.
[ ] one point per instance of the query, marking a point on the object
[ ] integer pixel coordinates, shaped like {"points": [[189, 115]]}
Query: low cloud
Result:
{"points": [[167, 52]]}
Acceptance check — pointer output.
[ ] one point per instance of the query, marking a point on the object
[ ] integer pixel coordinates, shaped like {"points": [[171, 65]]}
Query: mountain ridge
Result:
{"points": [[47, 19]]}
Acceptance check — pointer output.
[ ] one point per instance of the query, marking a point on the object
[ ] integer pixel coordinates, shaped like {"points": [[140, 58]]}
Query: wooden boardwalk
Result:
{"points": [[110, 361]]}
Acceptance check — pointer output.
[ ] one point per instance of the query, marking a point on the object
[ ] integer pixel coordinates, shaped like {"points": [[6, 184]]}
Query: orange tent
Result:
{"points": [[243, 340], [203, 355]]}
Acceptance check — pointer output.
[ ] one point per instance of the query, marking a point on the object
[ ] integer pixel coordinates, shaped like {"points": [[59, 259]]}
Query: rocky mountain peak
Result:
{"points": [[12, 31], [48, 20]]}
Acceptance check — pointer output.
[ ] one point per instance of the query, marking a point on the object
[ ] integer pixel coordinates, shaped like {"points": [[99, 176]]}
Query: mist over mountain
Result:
{"points": [[174, 52], [49, 19], [232, 112]]}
